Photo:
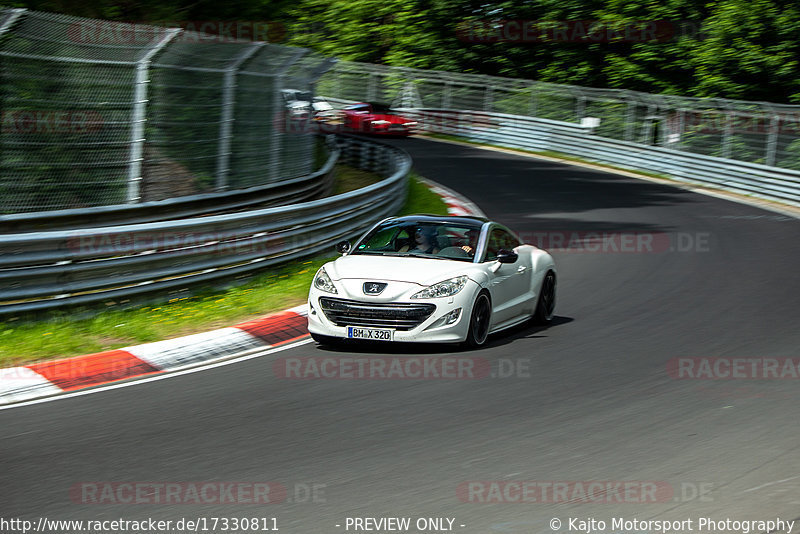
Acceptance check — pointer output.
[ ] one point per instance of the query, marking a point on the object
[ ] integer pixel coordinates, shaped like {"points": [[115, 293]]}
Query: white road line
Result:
{"points": [[771, 484], [246, 355]]}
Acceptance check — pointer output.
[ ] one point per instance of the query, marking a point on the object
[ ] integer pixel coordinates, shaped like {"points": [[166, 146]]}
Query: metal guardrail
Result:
{"points": [[530, 133], [46, 270], [281, 192]]}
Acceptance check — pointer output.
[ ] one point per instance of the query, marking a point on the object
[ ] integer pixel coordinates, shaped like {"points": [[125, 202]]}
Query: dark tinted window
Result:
{"points": [[499, 239]]}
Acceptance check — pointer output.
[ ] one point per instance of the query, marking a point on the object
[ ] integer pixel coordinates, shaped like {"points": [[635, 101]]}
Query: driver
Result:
{"points": [[425, 239], [472, 242]]}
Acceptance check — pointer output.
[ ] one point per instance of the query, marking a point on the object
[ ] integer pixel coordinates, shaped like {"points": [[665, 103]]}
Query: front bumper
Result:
{"points": [[405, 317]]}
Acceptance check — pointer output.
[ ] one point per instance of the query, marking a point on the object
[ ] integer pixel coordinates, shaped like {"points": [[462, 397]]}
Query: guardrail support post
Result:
{"points": [[226, 120], [138, 119]]}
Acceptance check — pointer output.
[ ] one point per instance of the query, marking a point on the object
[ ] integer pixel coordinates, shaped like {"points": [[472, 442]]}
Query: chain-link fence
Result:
{"points": [[755, 132], [101, 113]]}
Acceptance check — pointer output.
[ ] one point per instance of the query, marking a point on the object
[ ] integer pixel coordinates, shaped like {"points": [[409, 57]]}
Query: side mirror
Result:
{"points": [[507, 256], [343, 247]]}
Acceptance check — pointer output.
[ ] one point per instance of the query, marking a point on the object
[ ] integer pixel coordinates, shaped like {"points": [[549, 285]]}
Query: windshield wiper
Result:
{"points": [[423, 255]]}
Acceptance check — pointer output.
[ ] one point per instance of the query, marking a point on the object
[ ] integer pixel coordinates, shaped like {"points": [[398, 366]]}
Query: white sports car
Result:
{"points": [[431, 279]]}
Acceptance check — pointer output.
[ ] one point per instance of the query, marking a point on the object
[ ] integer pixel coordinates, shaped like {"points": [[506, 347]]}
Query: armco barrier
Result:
{"points": [[530, 133], [44, 270]]}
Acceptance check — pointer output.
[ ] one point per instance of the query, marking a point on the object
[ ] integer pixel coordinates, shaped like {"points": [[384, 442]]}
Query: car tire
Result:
{"points": [[546, 304], [479, 321]]}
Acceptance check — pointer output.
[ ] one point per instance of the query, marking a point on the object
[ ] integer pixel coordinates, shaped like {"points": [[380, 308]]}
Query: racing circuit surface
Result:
{"points": [[593, 397]]}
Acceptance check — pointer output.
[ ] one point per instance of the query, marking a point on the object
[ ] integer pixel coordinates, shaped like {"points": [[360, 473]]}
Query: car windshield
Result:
{"points": [[416, 239], [292, 95], [377, 107]]}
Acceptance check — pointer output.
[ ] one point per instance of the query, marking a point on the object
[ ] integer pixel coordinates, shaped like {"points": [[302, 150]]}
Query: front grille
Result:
{"points": [[342, 312]]}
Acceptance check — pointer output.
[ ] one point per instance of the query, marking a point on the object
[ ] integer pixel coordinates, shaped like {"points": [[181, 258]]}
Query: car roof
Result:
{"points": [[442, 219]]}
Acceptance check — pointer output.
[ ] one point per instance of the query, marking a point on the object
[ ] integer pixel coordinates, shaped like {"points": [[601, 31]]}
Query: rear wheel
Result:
{"points": [[546, 305], [479, 321]]}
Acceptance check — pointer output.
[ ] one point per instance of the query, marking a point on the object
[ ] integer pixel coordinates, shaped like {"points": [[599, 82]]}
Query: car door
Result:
{"points": [[357, 115], [509, 282]]}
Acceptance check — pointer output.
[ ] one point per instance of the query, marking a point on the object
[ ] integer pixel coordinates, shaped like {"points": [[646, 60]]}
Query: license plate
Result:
{"points": [[378, 334]]}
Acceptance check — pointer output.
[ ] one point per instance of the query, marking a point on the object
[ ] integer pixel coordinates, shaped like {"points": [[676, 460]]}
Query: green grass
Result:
{"points": [[421, 200], [62, 335], [350, 178]]}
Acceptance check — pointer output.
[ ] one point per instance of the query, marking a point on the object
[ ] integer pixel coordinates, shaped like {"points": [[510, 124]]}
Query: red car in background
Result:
{"points": [[374, 118]]}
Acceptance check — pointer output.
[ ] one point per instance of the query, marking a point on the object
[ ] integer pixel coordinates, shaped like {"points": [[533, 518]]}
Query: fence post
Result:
{"points": [[12, 18], [681, 128], [278, 106], [533, 105], [371, 88], [580, 108], [772, 140], [138, 119], [630, 121], [727, 137], [226, 120], [447, 94], [487, 100], [7, 24]]}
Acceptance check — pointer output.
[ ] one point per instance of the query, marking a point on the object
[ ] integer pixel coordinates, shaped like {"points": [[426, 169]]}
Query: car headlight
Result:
{"points": [[379, 122], [323, 282], [448, 288]]}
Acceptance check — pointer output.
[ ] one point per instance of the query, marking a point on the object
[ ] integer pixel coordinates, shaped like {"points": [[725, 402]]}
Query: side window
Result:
{"points": [[382, 238], [500, 239], [509, 241], [494, 245]]}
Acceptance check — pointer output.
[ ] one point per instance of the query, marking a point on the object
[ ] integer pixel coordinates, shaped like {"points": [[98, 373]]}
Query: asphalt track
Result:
{"points": [[592, 401]]}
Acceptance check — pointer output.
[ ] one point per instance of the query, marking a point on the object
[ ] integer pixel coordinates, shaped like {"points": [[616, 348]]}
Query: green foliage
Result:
{"points": [[791, 159], [744, 49]]}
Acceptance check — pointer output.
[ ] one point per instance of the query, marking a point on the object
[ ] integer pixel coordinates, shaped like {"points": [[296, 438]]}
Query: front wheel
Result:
{"points": [[546, 305], [479, 321]]}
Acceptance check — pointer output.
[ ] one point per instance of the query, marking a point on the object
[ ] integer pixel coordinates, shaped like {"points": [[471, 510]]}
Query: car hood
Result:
{"points": [[394, 119], [321, 106], [420, 271]]}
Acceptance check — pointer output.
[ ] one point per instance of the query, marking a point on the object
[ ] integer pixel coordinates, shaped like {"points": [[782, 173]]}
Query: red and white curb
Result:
{"points": [[48, 378], [70, 374], [457, 204]]}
